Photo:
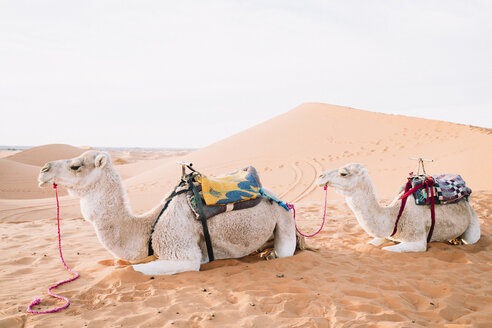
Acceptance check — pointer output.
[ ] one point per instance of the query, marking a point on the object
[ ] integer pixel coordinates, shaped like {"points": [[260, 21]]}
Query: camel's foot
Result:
{"points": [[377, 241], [264, 247], [409, 246], [166, 267], [269, 254], [456, 241]]}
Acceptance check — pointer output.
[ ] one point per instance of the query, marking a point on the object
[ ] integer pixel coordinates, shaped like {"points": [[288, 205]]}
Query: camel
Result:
{"points": [[177, 240], [452, 220]]}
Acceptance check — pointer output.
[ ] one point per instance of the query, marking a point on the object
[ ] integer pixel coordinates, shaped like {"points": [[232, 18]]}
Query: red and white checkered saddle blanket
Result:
{"points": [[448, 189]]}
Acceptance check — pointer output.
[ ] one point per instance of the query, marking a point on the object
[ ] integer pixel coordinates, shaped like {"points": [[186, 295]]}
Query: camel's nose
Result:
{"points": [[322, 180], [46, 167]]}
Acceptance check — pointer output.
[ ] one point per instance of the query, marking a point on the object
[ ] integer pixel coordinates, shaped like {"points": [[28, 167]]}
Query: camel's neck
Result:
{"points": [[377, 221], [122, 233]]}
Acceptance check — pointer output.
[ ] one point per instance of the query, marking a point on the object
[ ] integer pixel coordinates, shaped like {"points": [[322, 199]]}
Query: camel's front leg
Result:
{"points": [[408, 246], [166, 267]]}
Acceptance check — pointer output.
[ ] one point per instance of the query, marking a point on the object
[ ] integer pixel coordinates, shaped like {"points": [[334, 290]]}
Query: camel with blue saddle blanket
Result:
{"points": [[170, 231], [210, 196]]}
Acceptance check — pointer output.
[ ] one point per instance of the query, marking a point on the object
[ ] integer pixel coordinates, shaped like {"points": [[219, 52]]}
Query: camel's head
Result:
{"points": [[344, 179], [76, 174]]}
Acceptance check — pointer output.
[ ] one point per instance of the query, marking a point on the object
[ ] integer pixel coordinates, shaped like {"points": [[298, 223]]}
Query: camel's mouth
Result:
{"points": [[43, 184], [45, 181], [322, 182]]}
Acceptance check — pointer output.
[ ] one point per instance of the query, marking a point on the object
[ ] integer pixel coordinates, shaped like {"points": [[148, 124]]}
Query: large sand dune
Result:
{"points": [[346, 283], [291, 150]]}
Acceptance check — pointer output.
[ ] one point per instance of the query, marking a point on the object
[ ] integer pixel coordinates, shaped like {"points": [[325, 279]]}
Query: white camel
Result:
{"points": [[177, 240], [452, 220]]}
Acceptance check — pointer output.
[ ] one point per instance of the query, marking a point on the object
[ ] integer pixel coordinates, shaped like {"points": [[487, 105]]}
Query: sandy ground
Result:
{"points": [[346, 283]]}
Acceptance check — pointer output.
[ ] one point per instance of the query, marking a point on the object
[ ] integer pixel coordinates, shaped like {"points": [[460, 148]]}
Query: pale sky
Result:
{"points": [[190, 73]]}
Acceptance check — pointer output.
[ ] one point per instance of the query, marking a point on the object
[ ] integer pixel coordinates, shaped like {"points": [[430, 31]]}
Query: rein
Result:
{"points": [[67, 301], [291, 206]]}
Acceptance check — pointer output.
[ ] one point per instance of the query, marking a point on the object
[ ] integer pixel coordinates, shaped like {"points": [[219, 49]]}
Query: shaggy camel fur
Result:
{"points": [[177, 240], [452, 220]]}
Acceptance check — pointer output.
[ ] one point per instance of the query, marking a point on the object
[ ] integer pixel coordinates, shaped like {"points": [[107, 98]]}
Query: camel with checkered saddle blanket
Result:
{"points": [[409, 226]]}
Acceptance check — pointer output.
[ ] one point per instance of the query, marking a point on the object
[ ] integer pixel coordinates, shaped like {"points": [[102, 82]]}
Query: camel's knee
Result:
{"points": [[285, 249], [470, 238], [284, 242], [472, 233]]}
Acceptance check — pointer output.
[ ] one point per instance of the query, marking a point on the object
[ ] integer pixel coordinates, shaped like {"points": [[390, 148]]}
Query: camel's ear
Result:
{"points": [[101, 160], [361, 169], [357, 168]]}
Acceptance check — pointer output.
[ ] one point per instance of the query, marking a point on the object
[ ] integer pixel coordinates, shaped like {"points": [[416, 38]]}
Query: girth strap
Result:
{"points": [[188, 179], [402, 206], [168, 200], [428, 183], [201, 217]]}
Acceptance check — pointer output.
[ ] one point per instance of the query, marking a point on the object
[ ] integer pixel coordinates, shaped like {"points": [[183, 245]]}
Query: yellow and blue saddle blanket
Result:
{"points": [[233, 191]]}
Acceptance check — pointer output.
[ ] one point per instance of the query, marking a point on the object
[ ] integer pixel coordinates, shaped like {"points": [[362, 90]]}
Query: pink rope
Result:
{"points": [[291, 206], [38, 300]]}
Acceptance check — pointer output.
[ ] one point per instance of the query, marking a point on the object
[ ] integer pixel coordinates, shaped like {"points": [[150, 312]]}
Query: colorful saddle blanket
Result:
{"points": [[234, 191], [231, 188], [448, 189]]}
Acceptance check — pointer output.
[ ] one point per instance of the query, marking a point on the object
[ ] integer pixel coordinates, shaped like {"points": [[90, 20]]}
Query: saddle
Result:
{"points": [[237, 190]]}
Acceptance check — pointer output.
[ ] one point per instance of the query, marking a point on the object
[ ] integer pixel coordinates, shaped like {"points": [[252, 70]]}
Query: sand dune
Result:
{"points": [[40, 155], [347, 283], [313, 137], [291, 150]]}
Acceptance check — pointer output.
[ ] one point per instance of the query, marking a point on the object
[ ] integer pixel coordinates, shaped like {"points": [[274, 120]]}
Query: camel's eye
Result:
{"points": [[75, 167], [343, 174]]}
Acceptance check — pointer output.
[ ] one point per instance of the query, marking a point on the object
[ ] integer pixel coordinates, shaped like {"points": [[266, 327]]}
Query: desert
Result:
{"points": [[345, 283]]}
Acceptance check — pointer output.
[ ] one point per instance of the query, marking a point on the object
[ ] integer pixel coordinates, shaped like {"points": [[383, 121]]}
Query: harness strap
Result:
{"points": [[433, 214], [202, 218], [428, 183], [188, 179], [168, 200], [402, 206]]}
